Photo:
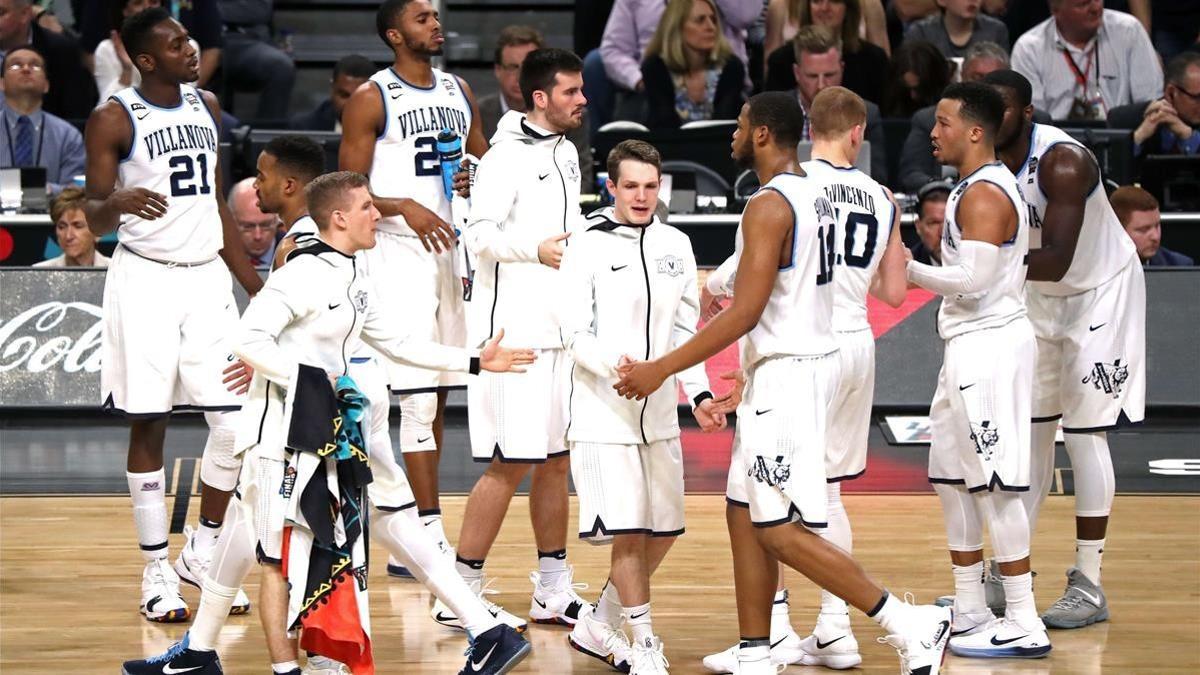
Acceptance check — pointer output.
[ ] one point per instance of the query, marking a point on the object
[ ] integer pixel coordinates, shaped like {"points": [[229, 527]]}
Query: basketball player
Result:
{"points": [[389, 132], [153, 175], [979, 455], [524, 205], [784, 305], [1087, 302], [629, 293]]}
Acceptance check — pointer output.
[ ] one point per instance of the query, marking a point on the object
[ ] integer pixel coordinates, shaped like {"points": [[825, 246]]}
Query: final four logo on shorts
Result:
{"points": [[1108, 377], [360, 575], [192, 100], [985, 437], [289, 482], [360, 302], [448, 83], [774, 473], [670, 265]]}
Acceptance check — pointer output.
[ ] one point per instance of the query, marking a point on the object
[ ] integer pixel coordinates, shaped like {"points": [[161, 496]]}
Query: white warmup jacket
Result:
{"points": [[627, 290], [526, 191], [314, 310]]}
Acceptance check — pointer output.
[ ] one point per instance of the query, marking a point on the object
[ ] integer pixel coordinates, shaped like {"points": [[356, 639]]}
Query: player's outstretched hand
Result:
{"points": [[710, 305], [499, 359], [639, 379], [550, 251], [728, 403], [140, 202], [436, 234], [708, 417], [237, 377]]}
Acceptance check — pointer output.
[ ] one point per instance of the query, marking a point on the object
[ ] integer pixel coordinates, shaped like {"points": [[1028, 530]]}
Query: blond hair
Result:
{"points": [[667, 43], [834, 111], [68, 200]]}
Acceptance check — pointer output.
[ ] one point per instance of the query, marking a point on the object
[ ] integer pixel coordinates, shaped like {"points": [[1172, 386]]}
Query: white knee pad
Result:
{"points": [[219, 467], [838, 531], [1041, 468], [1007, 523], [964, 528], [1092, 470], [417, 412]]}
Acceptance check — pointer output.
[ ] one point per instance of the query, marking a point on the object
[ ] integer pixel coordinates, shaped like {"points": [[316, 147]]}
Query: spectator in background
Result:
{"points": [[1171, 124], [72, 93], [112, 66], [260, 231], [616, 66], [1138, 212], [100, 20], [348, 74], [690, 73], [864, 63], [958, 27], [1175, 25], [77, 242], [818, 67], [251, 61], [916, 77], [931, 217], [512, 46], [35, 137], [1086, 60], [785, 18]]}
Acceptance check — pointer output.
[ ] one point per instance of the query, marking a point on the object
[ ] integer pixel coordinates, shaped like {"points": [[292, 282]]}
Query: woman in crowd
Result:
{"points": [[786, 17], [958, 27], [74, 238], [865, 60], [915, 79]]}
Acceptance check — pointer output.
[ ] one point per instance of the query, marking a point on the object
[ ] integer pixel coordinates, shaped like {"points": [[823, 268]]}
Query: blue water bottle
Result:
{"points": [[450, 155]]}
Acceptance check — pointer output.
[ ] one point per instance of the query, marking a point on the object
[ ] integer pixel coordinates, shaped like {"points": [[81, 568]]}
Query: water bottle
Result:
{"points": [[450, 154]]}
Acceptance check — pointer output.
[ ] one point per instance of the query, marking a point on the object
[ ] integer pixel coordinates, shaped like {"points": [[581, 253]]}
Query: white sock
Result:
{"points": [[551, 567], [1087, 557], [149, 494], [432, 520], [892, 613], [608, 608], [638, 619], [204, 539], [753, 651], [969, 589], [781, 621], [470, 571], [838, 533], [1018, 595], [285, 667], [215, 602]]}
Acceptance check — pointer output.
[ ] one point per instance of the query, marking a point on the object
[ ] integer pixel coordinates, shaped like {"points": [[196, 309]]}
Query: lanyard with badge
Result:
{"points": [[1084, 106]]}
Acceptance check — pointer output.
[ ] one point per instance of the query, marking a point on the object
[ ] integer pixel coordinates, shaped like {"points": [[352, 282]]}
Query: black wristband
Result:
{"points": [[701, 398], [474, 367]]}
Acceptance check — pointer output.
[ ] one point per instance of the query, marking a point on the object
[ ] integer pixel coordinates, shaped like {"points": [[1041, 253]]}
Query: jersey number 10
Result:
{"points": [[183, 178]]}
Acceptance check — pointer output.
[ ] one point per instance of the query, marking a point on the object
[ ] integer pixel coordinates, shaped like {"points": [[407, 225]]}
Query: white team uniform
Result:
{"points": [[1091, 324], [864, 222], [627, 290], [526, 190], [168, 299], [792, 373], [405, 164], [980, 411]]}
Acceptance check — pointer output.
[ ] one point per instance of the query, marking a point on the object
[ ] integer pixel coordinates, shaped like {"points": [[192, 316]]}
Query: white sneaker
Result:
{"points": [[321, 665], [1004, 639], [161, 600], [191, 567], [442, 614], [970, 623], [557, 604], [831, 644], [922, 642], [599, 640], [648, 658]]}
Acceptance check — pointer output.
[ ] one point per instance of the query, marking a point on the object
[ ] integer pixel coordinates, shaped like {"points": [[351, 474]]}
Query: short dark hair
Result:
{"points": [[639, 151], [22, 48], [813, 39], [299, 154], [1177, 67], [387, 16], [541, 68], [515, 36], [135, 32], [780, 112], [327, 193], [933, 191], [980, 103], [1011, 79], [354, 65]]}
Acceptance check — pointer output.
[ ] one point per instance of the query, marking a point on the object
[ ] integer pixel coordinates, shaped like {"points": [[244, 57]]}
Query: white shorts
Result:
{"points": [[850, 412], [1091, 368], [422, 286], [389, 489], [521, 417], [263, 491], [979, 418], [778, 464], [166, 337], [628, 489]]}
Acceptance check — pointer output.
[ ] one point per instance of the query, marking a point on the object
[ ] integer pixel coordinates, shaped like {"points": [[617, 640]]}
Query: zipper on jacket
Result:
{"points": [[561, 181], [646, 275], [495, 300], [353, 316]]}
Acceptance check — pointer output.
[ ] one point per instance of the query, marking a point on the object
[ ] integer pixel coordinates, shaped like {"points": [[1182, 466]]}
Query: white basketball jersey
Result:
{"points": [[1004, 300], [174, 153], [864, 222], [406, 158], [304, 226], [798, 318], [1103, 248]]}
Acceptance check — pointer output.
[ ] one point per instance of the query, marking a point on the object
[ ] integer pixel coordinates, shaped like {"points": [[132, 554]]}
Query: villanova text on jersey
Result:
{"points": [[175, 137], [433, 119]]}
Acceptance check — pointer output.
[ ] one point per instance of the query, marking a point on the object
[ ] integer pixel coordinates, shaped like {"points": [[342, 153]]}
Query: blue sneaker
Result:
{"points": [[495, 652], [395, 569], [177, 659]]}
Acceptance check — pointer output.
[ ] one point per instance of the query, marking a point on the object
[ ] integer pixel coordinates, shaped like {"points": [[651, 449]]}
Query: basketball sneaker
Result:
{"points": [[1003, 639], [323, 665], [970, 623], [396, 569], [648, 658], [443, 615], [831, 644], [599, 640], [922, 643], [177, 659], [191, 568], [785, 644], [161, 600], [495, 652], [1082, 604], [557, 603], [993, 589]]}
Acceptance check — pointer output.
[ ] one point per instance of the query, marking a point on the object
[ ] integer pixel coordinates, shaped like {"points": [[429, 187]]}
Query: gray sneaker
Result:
{"points": [[993, 591], [1082, 604]]}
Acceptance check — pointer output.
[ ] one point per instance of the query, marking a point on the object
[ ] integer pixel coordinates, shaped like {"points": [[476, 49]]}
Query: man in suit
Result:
{"points": [[72, 93], [1138, 212], [348, 73], [931, 217], [35, 137], [513, 44], [1171, 124]]}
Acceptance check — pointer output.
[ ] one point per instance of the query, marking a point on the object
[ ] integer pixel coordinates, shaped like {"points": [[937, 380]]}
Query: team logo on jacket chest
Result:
{"points": [[360, 302], [572, 170], [985, 436], [1108, 377], [670, 265]]}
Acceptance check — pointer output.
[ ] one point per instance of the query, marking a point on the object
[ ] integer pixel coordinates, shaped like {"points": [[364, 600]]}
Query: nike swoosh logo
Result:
{"points": [[475, 665], [943, 628], [962, 388], [168, 670], [540, 603], [1095, 599], [823, 645], [779, 642], [1095, 328], [621, 267], [443, 617], [543, 176], [422, 440], [333, 306], [763, 412], [637, 616], [1004, 642]]}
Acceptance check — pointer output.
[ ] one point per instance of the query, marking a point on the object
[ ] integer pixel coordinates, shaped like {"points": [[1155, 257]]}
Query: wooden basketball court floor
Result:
{"points": [[69, 589]]}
